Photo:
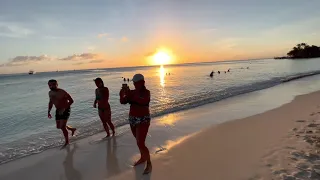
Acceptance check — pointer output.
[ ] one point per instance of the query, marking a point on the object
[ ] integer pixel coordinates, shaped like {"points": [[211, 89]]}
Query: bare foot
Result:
{"points": [[148, 169], [108, 135], [73, 130], [113, 133], [65, 145], [140, 161]]}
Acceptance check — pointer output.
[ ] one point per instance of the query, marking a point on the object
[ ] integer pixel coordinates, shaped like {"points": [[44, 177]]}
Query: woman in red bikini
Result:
{"points": [[139, 116]]}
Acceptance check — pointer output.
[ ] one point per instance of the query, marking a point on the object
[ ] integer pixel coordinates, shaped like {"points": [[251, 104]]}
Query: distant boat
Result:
{"points": [[31, 72]]}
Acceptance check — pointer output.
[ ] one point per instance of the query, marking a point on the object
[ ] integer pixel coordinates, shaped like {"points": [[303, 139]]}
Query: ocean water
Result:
{"points": [[25, 128]]}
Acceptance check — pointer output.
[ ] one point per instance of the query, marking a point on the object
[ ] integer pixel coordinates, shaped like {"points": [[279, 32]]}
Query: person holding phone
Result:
{"points": [[102, 99], [139, 116]]}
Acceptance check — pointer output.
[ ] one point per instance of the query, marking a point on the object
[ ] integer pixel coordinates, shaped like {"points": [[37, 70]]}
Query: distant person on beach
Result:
{"points": [[139, 116], [128, 80], [218, 72], [228, 70], [62, 101], [102, 99], [124, 79], [211, 74]]}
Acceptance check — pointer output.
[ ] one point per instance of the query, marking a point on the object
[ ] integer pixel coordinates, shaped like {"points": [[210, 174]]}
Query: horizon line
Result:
{"points": [[143, 66]]}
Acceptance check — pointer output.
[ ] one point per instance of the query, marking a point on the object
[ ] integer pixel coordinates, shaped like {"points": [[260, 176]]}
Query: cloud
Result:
{"points": [[90, 62], [81, 57], [103, 35], [96, 61], [79, 63], [78, 59], [14, 31], [124, 39], [24, 60]]}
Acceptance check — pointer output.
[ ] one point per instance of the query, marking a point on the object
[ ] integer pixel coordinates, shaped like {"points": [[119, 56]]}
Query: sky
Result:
{"points": [[47, 35]]}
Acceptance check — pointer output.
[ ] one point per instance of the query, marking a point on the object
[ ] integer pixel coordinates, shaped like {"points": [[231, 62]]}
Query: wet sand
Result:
{"points": [[257, 147]]}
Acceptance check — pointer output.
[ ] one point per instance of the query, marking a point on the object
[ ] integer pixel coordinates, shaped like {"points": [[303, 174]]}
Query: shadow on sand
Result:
{"points": [[70, 172], [111, 157]]}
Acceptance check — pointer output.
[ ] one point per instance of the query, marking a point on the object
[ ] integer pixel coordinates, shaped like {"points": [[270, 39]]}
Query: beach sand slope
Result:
{"points": [[278, 144]]}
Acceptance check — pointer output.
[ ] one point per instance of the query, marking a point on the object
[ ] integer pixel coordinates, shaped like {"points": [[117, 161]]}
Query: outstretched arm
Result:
{"points": [[49, 108], [95, 100]]}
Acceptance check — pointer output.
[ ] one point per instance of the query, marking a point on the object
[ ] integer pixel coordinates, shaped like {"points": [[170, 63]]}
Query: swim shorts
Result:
{"points": [[138, 120], [63, 116]]}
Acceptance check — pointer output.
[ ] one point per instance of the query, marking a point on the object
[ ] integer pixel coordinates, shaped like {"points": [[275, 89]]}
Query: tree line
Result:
{"points": [[302, 50]]}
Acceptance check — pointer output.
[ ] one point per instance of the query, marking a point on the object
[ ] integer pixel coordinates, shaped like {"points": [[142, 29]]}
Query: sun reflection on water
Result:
{"points": [[162, 75]]}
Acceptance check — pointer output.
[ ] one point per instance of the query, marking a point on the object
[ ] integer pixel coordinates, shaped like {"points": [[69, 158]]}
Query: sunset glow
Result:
{"points": [[161, 58]]}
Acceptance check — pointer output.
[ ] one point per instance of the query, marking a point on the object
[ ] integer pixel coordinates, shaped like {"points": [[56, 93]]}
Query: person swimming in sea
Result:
{"points": [[104, 110]]}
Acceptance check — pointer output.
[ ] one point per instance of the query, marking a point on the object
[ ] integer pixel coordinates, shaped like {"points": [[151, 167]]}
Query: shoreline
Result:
{"points": [[92, 156], [156, 116]]}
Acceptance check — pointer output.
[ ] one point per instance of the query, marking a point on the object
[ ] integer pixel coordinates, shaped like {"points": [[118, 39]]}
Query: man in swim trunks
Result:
{"points": [[102, 99], [62, 102]]}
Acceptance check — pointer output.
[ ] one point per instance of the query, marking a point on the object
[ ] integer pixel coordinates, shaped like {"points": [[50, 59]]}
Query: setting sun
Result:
{"points": [[161, 58]]}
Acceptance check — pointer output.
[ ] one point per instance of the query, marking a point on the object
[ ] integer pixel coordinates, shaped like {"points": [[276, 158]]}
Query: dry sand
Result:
{"points": [[278, 144]]}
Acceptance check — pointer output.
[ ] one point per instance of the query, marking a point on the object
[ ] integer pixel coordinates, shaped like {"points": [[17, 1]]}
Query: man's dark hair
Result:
{"points": [[52, 81]]}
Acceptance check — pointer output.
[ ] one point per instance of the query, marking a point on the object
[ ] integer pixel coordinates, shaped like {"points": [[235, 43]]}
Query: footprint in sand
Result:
{"points": [[302, 166], [281, 171], [301, 121], [287, 177], [313, 125], [303, 174]]}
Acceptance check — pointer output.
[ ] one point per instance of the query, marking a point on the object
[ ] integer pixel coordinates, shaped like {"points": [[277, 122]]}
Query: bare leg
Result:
{"points": [[71, 129], [108, 119], [65, 134], [134, 133], [103, 120], [143, 131], [141, 134]]}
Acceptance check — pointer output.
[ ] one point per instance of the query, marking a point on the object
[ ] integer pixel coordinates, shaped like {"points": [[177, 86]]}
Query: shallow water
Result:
{"points": [[25, 129]]}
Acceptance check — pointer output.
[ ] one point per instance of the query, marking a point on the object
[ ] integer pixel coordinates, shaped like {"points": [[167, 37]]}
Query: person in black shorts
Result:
{"points": [[62, 101]]}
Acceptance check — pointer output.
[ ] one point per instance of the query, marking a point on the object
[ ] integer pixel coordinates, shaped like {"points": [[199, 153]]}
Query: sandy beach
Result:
{"points": [[273, 144]]}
